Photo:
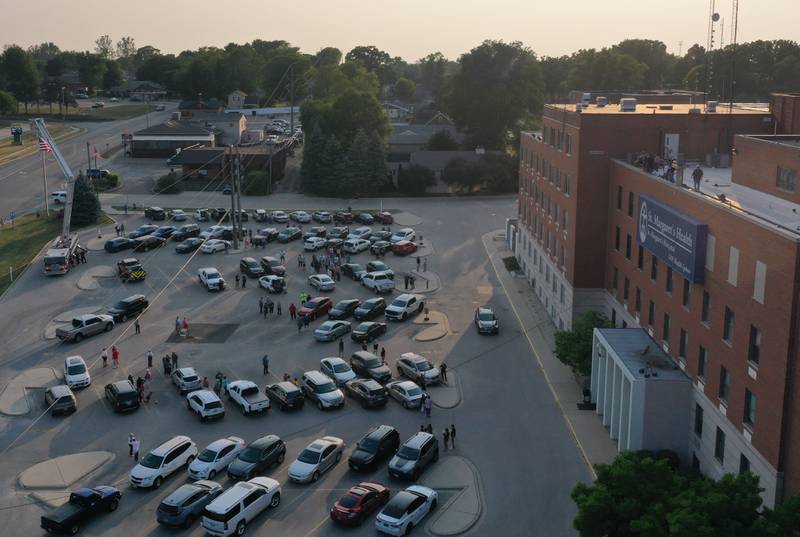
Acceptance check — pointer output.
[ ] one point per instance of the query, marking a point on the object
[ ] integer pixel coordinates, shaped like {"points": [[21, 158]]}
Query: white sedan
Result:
{"points": [[406, 510], [322, 282], [178, 215], [312, 244], [215, 245], [215, 457], [321, 455], [301, 217], [206, 404]]}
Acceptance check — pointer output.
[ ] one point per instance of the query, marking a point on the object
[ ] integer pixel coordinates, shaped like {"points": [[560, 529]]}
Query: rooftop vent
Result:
{"points": [[665, 107], [711, 107], [628, 104], [601, 101], [694, 110]]}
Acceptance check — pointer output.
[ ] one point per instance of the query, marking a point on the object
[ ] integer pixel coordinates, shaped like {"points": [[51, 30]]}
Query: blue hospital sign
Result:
{"points": [[674, 237]]}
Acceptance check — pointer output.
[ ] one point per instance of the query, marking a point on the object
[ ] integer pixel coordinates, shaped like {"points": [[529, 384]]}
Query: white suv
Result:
{"points": [[231, 511], [360, 233], [405, 234], [206, 404], [403, 306], [380, 282], [355, 245], [320, 388], [211, 279], [76, 374], [162, 461]]}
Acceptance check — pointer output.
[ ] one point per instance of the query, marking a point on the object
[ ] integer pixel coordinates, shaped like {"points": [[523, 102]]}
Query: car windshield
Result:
{"points": [[397, 507], [348, 501], [399, 303], [368, 444], [151, 461], [212, 275], [251, 264], [190, 378], [326, 388], [309, 457], [485, 316], [76, 369], [424, 366], [250, 454], [341, 368], [408, 453], [207, 455], [121, 305], [363, 327], [373, 362], [413, 392]]}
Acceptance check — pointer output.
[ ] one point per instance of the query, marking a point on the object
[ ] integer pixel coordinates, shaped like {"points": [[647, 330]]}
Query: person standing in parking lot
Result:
{"points": [[260, 305], [453, 435], [137, 328], [135, 449], [131, 438], [177, 325], [244, 281], [428, 406], [149, 358], [237, 281], [174, 360], [114, 357], [292, 311], [104, 356], [446, 437], [341, 348], [265, 364], [443, 370], [279, 308]]}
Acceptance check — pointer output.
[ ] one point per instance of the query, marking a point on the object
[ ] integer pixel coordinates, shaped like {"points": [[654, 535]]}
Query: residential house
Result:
{"points": [[238, 100], [139, 90], [397, 112]]}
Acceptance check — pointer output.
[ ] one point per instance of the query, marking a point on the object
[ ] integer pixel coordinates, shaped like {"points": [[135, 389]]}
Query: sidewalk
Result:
{"points": [[592, 438]]}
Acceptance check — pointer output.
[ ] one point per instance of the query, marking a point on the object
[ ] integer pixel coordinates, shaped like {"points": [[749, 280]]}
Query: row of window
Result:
{"points": [[719, 437], [786, 179]]}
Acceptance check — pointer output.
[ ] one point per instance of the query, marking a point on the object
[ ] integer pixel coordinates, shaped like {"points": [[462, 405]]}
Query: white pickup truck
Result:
{"points": [[246, 394], [211, 279]]}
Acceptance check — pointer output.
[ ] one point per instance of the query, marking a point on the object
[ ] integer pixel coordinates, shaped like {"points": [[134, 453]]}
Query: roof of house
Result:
{"points": [[641, 356], [438, 160], [194, 104], [251, 99], [237, 92], [200, 155], [405, 134], [387, 104], [431, 117], [133, 85], [175, 128]]}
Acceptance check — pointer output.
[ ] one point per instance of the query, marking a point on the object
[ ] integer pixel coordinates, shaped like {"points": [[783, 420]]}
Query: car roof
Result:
{"points": [[317, 299], [205, 396], [265, 441], [380, 431], [405, 297], [74, 360], [317, 376], [414, 357], [418, 440], [484, 309], [169, 445], [405, 384], [287, 386], [60, 390], [133, 298], [86, 316], [217, 445], [375, 300], [248, 260], [123, 386], [321, 443], [187, 371], [334, 360], [181, 494], [404, 498]]}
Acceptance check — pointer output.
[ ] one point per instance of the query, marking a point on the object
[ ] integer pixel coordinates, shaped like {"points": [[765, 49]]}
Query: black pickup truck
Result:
{"points": [[83, 504]]}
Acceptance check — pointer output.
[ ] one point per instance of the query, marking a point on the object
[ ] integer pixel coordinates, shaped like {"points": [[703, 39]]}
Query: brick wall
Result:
{"points": [[757, 161]]}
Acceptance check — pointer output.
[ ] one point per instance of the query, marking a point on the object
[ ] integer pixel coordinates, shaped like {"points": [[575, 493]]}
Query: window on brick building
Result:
{"points": [[665, 328], [698, 420], [561, 294], [727, 326], [687, 293], [683, 343], [568, 147], [615, 279], [638, 301], [558, 179], [563, 256], [628, 246], [754, 347], [669, 280], [616, 238], [560, 140], [640, 260], [557, 215], [702, 361], [619, 198], [653, 268], [724, 384], [744, 464], [787, 179], [630, 203], [564, 219], [749, 408], [651, 313], [704, 316], [567, 184], [626, 289], [719, 446]]}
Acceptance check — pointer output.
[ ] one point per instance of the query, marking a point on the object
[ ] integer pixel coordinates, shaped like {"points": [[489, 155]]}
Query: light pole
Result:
{"points": [[63, 104]]}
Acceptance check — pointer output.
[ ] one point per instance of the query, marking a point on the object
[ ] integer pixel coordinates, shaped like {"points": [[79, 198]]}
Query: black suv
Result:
{"points": [[257, 457], [285, 394], [155, 213], [367, 392], [251, 267], [128, 308], [368, 365], [369, 309], [344, 309], [186, 231], [122, 396], [378, 444]]}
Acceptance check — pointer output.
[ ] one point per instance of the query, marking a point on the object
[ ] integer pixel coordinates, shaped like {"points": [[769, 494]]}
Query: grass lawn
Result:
{"points": [[29, 141], [18, 245], [109, 113], [123, 111]]}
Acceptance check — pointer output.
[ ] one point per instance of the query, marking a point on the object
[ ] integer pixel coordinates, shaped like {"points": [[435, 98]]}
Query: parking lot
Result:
{"points": [[494, 394]]}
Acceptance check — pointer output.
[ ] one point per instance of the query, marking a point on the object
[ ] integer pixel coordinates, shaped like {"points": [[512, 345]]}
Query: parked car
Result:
{"points": [[248, 396], [215, 457], [323, 217], [331, 330], [272, 284], [227, 190], [186, 504], [280, 217], [212, 246], [406, 510], [258, 456], [367, 392], [312, 244], [272, 265], [379, 235], [404, 248], [202, 215], [118, 244], [289, 234], [285, 394], [160, 107], [205, 403], [122, 395], [405, 234], [316, 307], [384, 218], [165, 232], [404, 306], [58, 197], [321, 282], [359, 502], [127, 308], [365, 218], [353, 271], [76, 374], [162, 461], [417, 367], [189, 245], [378, 282], [414, 456], [370, 365], [301, 217], [131, 270], [84, 326], [334, 243], [186, 231], [215, 232], [269, 233], [343, 309], [337, 369], [211, 279], [370, 308], [147, 243], [316, 459], [230, 512], [377, 446], [367, 331], [178, 215], [186, 379], [155, 213], [142, 231], [355, 246], [95, 173], [486, 321], [82, 505], [343, 217], [260, 215], [379, 266], [360, 233], [338, 232], [319, 388], [380, 247], [405, 392], [251, 267], [60, 400]]}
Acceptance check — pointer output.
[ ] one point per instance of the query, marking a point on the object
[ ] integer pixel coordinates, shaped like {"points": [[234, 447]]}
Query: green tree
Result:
{"points": [[554, 73], [377, 174], [574, 347], [433, 69], [113, 75], [126, 47], [20, 75], [358, 171], [256, 183], [653, 55], [44, 51], [375, 60], [328, 56], [605, 70], [442, 141], [104, 47], [85, 205], [414, 180], [159, 69], [54, 67], [404, 89], [354, 110], [784, 521], [498, 85], [311, 167], [459, 172], [278, 77], [333, 168], [8, 104], [92, 69]]}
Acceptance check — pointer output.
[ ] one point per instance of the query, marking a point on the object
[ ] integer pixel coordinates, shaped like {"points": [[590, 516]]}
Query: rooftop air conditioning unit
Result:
{"points": [[579, 108], [711, 107], [586, 98], [601, 101], [694, 111], [628, 104]]}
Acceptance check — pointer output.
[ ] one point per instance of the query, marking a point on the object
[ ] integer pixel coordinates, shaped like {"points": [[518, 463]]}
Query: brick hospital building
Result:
{"points": [[701, 279]]}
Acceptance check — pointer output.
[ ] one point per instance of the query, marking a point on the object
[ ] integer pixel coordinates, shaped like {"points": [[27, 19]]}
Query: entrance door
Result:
{"points": [[671, 146]]}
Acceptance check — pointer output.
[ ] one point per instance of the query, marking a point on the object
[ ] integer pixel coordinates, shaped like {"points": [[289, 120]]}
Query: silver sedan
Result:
{"points": [[330, 330]]}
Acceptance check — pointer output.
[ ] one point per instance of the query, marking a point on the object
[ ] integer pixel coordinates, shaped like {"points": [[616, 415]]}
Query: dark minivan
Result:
{"points": [[128, 308], [285, 394], [257, 457], [369, 365], [251, 267], [122, 396], [378, 445]]}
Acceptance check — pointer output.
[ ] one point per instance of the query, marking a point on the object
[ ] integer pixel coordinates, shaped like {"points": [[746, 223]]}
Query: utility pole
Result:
{"points": [[238, 191], [234, 173], [88, 159]]}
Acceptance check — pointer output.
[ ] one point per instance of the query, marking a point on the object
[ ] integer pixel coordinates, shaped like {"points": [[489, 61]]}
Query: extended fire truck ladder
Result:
{"points": [[42, 132]]}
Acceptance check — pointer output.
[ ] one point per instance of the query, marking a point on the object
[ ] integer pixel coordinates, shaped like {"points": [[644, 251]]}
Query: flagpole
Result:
{"points": [[44, 180]]}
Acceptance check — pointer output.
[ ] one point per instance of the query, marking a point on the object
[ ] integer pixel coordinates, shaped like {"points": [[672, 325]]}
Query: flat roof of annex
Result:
{"points": [[661, 109]]}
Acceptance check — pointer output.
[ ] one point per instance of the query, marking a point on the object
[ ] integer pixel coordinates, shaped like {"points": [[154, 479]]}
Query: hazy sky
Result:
{"points": [[407, 28]]}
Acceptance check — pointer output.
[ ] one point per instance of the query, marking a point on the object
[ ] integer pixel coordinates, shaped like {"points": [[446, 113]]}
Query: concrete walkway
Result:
{"points": [[437, 326], [426, 282], [446, 395], [462, 511], [15, 399], [62, 472], [88, 280], [407, 219], [592, 438]]}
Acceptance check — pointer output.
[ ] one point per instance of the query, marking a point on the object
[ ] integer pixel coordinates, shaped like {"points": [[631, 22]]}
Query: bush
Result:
{"points": [[511, 263], [256, 183], [106, 183], [169, 184], [574, 347], [414, 180]]}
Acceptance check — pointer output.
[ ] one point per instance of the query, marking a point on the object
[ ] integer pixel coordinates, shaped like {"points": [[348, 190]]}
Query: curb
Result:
{"points": [[457, 387], [25, 390], [443, 509], [28, 151]]}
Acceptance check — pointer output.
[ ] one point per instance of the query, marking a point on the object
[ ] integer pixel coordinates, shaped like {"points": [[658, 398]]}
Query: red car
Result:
{"points": [[404, 248], [314, 307], [359, 502], [272, 265], [384, 218], [343, 217]]}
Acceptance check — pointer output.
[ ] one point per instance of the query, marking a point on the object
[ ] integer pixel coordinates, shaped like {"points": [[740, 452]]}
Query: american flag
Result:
{"points": [[44, 146]]}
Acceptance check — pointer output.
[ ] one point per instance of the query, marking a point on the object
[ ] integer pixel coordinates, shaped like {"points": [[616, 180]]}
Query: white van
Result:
{"points": [[59, 196], [76, 374], [162, 461], [230, 512]]}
